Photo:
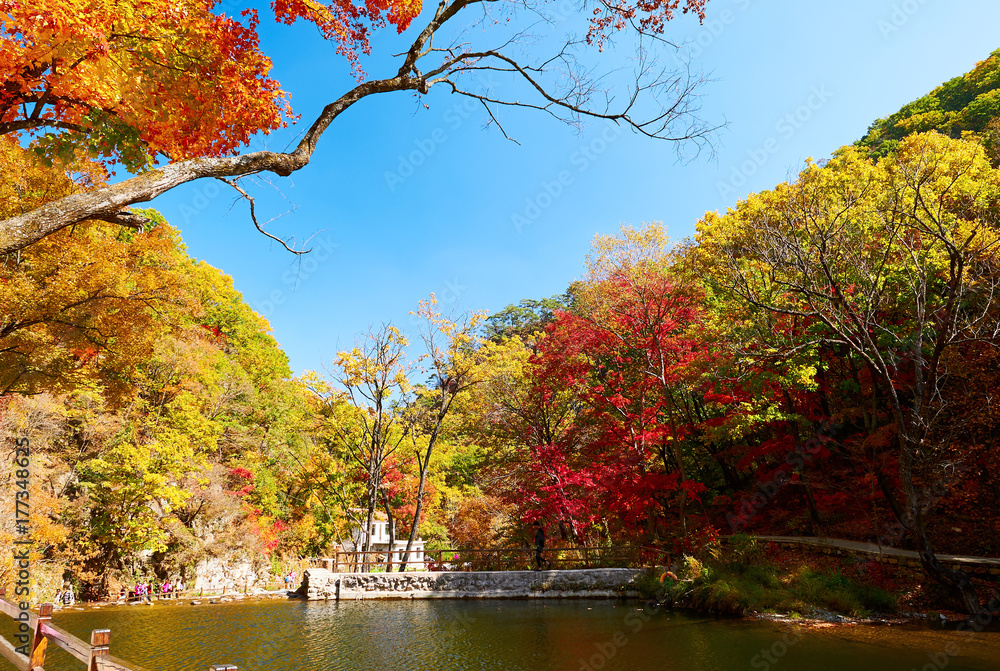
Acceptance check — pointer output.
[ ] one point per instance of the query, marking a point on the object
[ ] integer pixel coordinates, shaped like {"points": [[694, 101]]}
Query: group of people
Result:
{"points": [[145, 590], [142, 590], [65, 595]]}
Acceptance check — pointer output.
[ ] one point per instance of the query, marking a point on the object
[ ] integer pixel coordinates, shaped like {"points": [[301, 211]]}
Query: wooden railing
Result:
{"points": [[96, 655], [496, 559]]}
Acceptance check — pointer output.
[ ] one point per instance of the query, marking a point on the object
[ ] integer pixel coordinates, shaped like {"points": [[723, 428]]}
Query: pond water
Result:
{"points": [[439, 635]]}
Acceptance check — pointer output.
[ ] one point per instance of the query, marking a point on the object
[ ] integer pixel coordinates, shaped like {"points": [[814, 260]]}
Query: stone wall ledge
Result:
{"points": [[322, 585]]}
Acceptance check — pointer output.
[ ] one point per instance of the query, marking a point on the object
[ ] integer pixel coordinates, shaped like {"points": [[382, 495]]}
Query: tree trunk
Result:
{"points": [[890, 498], [415, 527], [955, 579], [392, 531], [817, 523], [683, 478], [367, 531]]}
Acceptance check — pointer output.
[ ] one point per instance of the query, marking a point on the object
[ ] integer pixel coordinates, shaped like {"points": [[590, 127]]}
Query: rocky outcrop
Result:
{"points": [[321, 584], [233, 574]]}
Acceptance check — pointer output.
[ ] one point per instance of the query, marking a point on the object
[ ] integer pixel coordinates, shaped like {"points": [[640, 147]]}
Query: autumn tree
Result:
{"points": [[527, 413], [576, 429], [37, 419], [648, 322], [893, 264], [528, 317], [125, 85], [87, 303], [452, 352], [373, 387], [171, 424]]}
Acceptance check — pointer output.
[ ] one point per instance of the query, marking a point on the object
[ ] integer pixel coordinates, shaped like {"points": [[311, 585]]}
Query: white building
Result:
{"points": [[380, 543]]}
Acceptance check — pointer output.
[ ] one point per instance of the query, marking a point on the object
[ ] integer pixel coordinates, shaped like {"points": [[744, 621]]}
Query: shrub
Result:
{"points": [[743, 548], [741, 585], [693, 569]]}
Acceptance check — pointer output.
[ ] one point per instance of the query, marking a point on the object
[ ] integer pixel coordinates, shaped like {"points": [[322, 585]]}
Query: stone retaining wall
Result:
{"points": [[320, 584], [976, 565]]}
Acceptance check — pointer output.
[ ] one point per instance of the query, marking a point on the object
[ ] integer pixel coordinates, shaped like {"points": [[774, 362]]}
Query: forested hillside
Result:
{"points": [[150, 391], [821, 359], [966, 104]]}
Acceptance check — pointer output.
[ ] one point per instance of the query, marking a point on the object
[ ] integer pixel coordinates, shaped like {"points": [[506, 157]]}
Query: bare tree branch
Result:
{"points": [[558, 85], [253, 216]]}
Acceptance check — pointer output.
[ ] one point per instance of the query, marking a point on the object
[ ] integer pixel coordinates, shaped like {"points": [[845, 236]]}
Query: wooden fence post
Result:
{"points": [[38, 641], [100, 642]]}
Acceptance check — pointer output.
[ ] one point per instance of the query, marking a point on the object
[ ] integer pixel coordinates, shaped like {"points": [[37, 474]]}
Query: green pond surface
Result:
{"points": [[500, 635]]}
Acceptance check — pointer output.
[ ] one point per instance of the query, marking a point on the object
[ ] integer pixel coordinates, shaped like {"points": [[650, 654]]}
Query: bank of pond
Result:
{"points": [[513, 635]]}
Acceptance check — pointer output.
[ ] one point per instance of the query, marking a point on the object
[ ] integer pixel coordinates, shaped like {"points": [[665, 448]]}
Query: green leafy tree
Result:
{"points": [[966, 104]]}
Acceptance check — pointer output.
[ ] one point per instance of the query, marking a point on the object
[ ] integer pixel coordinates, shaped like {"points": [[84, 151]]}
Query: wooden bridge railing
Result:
{"points": [[96, 655], [502, 559]]}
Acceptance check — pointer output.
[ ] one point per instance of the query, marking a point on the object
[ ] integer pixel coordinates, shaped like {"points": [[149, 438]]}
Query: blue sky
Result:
{"points": [[385, 237]]}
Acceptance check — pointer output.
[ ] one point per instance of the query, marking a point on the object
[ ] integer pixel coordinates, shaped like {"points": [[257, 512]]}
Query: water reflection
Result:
{"points": [[500, 635]]}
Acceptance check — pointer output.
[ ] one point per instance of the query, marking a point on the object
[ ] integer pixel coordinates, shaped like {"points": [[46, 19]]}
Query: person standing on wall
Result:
{"points": [[539, 547]]}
